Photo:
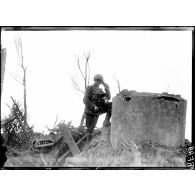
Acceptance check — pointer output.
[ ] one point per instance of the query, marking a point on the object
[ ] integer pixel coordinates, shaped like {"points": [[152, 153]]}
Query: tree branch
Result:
{"points": [[21, 51], [9, 107], [76, 86], [18, 44], [88, 73], [16, 79], [80, 68], [17, 48], [55, 121], [86, 69], [118, 84]]}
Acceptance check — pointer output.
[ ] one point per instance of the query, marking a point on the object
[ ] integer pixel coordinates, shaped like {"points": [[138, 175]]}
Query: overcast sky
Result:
{"points": [[145, 61]]}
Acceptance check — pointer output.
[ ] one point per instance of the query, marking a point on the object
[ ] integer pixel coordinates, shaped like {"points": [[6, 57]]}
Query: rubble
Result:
{"points": [[99, 153]]}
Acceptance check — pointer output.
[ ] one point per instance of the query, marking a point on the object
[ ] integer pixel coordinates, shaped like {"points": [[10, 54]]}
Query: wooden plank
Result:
{"points": [[64, 155], [70, 141]]}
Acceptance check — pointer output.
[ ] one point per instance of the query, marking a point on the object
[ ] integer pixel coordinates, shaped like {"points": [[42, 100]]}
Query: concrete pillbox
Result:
{"points": [[148, 116]]}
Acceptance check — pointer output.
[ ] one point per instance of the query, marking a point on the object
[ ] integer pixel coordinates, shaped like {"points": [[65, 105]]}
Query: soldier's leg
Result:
{"points": [[91, 121], [108, 110]]}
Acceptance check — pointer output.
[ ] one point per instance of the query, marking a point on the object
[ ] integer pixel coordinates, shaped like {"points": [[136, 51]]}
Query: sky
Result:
{"points": [[145, 61]]}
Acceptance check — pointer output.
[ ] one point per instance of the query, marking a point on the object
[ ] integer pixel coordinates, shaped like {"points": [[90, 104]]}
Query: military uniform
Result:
{"points": [[94, 96]]}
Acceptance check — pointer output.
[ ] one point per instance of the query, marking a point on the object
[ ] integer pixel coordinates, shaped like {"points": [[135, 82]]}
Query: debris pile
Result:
{"points": [[100, 153], [56, 141], [15, 132]]}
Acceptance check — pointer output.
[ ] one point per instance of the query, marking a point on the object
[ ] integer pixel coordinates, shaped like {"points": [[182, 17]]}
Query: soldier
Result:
{"points": [[96, 103]]}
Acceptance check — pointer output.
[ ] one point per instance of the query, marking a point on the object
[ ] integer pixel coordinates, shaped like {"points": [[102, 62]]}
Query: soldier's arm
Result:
{"points": [[107, 89], [86, 99]]}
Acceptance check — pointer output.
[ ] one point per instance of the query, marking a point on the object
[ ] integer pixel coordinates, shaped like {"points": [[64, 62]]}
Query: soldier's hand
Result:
{"points": [[105, 85]]}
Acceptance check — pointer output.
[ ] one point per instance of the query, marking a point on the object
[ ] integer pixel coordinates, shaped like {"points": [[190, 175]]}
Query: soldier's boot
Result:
{"points": [[89, 135], [106, 122]]}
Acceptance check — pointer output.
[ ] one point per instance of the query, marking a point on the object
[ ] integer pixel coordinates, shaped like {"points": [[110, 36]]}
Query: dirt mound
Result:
{"points": [[99, 153]]}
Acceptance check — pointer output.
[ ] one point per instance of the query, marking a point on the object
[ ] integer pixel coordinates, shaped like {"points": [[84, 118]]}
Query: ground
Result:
{"points": [[99, 153]]}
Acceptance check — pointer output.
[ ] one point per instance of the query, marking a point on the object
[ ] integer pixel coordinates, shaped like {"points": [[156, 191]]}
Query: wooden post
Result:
{"points": [[64, 155], [3, 61], [70, 141]]}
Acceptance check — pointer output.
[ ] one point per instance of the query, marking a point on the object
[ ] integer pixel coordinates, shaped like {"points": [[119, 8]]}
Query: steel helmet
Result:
{"points": [[98, 76]]}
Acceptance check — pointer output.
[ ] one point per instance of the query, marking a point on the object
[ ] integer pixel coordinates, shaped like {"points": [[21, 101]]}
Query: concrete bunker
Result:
{"points": [[148, 116]]}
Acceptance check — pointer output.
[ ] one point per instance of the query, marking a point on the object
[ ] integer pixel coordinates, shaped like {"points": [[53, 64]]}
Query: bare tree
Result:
{"points": [[86, 78], [119, 90], [19, 49]]}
